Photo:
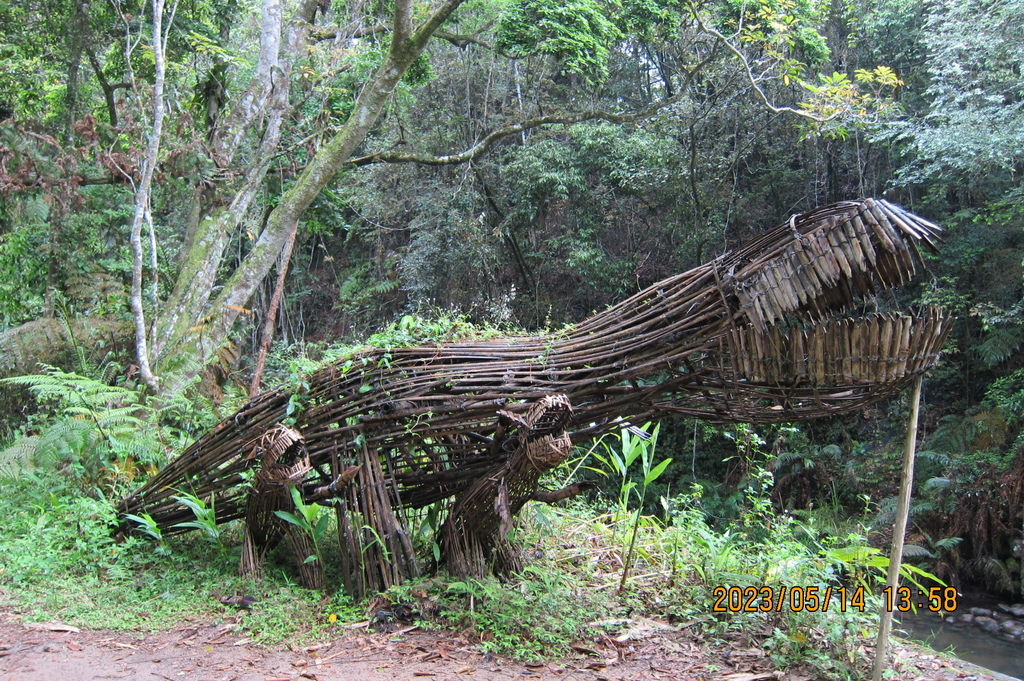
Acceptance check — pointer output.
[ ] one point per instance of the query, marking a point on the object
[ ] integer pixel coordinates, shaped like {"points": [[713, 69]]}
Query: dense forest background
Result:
{"points": [[513, 163]]}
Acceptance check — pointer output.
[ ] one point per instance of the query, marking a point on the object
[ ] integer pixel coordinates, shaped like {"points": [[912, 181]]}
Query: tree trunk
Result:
{"points": [[142, 197], [193, 326], [275, 303]]}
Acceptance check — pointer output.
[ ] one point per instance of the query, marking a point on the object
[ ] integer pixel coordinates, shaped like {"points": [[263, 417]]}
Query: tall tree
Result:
{"points": [[302, 68]]}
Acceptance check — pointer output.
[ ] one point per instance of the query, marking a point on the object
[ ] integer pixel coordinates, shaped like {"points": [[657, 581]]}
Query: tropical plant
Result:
{"points": [[312, 519], [205, 517], [634, 444], [100, 433]]}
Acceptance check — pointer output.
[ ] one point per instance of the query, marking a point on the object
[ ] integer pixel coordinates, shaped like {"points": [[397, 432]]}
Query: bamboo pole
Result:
{"points": [[902, 511]]}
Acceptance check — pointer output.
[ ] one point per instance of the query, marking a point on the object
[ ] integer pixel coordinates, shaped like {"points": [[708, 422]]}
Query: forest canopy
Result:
{"points": [[519, 162]]}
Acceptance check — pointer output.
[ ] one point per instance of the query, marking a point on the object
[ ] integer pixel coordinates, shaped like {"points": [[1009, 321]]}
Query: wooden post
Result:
{"points": [[900, 529]]}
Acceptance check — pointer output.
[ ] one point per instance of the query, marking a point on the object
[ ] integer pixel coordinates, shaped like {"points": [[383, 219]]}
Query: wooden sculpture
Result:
{"points": [[762, 334]]}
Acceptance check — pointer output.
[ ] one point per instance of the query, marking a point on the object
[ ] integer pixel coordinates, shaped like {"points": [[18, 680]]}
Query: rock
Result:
{"points": [[952, 620], [1004, 607], [1012, 627], [981, 612], [1017, 609], [987, 623], [967, 618]]}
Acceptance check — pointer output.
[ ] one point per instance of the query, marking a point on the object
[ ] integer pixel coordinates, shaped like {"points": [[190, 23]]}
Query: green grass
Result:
{"points": [[62, 563]]}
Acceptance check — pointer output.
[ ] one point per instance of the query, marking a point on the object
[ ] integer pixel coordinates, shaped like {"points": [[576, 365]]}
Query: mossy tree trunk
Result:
{"points": [[196, 322]]}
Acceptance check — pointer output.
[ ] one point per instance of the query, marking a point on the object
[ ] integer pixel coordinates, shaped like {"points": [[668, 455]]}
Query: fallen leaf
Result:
{"points": [[74, 646], [51, 626], [580, 648], [405, 630]]}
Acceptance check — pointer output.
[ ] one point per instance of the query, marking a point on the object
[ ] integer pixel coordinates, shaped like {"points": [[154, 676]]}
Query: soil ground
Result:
{"points": [[203, 651]]}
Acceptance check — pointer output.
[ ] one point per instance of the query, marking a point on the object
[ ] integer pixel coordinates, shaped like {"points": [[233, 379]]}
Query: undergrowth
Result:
{"points": [[587, 563], [62, 562], [683, 566]]}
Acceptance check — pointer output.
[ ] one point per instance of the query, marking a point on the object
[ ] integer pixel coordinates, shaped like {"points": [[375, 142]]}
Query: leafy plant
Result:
{"points": [[147, 525], [205, 517], [578, 32], [312, 519], [536, 616], [98, 431], [638, 445]]}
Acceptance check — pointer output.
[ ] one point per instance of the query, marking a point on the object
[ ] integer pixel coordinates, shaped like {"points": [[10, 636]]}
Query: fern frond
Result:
{"points": [[1000, 343], [785, 459], [832, 451], [66, 437], [954, 435], [941, 458], [938, 483], [916, 551], [947, 543], [18, 458]]}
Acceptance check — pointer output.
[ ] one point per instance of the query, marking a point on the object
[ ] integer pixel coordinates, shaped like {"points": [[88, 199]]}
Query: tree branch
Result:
{"points": [[322, 34], [484, 144], [108, 89], [461, 40], [429, 27], [403, 23], [228, 136], [752, 79]]}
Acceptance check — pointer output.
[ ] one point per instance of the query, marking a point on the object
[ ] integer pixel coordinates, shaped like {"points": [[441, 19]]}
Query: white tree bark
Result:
{"points": [[143, 191]]}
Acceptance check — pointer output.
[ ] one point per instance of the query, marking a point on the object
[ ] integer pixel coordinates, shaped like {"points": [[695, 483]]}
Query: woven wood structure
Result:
{"points": [[767, 333]]}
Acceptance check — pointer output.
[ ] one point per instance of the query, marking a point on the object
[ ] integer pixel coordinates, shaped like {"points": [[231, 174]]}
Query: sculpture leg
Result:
{"points": [[474, 537]]}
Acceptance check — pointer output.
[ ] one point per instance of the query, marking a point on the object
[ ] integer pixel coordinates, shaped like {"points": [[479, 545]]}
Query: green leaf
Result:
{"points": [[656, 472], [321, 525], [293, 519]]}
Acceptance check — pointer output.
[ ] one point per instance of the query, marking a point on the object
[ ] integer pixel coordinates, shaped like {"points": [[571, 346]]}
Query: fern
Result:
{"points": [[18, 457], [955, 434], [938, 483], [916, 551], [97, 431], [1000, 343], [999, 576], [72, 390]]}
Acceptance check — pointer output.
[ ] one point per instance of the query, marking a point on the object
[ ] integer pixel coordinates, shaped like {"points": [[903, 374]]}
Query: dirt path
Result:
{"points": [[205, 652]]}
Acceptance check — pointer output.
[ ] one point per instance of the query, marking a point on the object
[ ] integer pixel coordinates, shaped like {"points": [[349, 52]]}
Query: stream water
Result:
{"points": [[967, 641]]}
